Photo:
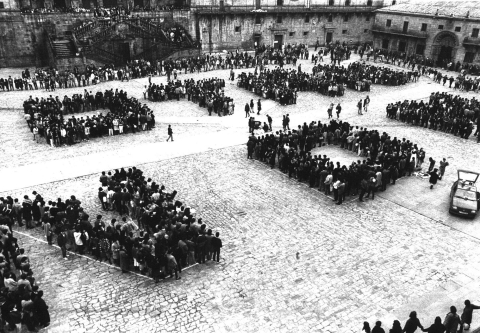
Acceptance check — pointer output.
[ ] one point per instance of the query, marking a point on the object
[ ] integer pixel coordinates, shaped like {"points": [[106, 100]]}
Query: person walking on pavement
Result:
{"points": [[452, 320], [339, 109], [412, 323], [360, 106], [330, 111], [366, 102], [432, 164], [341, 192], [259, 106], [433, 177], [437, 327], [363, 189], [467, 315], [443, 165], [269, 122], [170, 133], [252, 106], [247, 110]]}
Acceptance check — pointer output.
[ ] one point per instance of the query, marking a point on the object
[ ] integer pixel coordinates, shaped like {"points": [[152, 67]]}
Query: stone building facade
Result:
{"points": [[441, 31], [216, 24]]}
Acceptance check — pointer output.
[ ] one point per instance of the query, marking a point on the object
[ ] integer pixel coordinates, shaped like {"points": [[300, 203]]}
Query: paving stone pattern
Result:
{"points": [[358, 261]]}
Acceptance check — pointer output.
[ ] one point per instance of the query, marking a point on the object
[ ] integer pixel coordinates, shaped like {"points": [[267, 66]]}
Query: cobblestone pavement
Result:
{"points": [[355, 261], [358, 261]]}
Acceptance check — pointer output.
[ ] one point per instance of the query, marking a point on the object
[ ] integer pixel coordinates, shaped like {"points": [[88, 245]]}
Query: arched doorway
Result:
{"points": [[444, 48]]}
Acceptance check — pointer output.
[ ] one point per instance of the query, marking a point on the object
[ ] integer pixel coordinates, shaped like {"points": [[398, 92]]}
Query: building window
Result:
{"points": [[305, 33], [279, 2], [424, 27], [420, 49], [440, 27], [458, 29], [331, 2], [405, 27], [365, 31], [394, 2], [344, 32], [475, 32], [258, 19], [385, 43], [279, 19], [402, 45], [389, 23], [307, 19], [237, 29], [2, 5], [369, 3], [330, 18], [345, 18], [347, 3], [367, 19], [291, 33]]}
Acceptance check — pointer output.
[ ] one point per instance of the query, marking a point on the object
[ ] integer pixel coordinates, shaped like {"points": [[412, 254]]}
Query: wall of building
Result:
{"points": [[415, 23], [295, 3], [239, 31]]}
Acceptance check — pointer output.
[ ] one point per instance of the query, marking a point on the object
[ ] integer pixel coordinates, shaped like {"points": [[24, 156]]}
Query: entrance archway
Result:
{"points": [[444, 48]]}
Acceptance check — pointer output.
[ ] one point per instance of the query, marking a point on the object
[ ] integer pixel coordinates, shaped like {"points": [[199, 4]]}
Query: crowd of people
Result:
{"points": [[453, 322], [443, 112], [386, 158], [171, 237], [100, 11], [21, 298], [45, 117], [277, 84], [167, 239], [208, 93]]}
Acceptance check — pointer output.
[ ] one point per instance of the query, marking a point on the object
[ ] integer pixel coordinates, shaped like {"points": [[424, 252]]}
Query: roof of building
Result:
{"points": [[440, 8]]}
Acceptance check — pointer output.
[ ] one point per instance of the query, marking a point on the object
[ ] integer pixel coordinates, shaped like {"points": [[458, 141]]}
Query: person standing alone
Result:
{"points": [[170, 133]]}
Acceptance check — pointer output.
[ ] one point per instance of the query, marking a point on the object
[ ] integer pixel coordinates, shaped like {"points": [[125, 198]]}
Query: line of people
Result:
{"points": [[208, 93], [45, 117], [386, 158], [22, 300], [453, 323], [443, 112]]}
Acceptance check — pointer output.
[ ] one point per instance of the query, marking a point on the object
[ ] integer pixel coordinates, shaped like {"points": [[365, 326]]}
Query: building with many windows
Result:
{"points": [[443, 31]]}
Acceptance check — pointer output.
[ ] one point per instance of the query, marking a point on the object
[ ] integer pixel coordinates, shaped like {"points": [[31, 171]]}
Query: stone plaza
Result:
{"points": [[292, 260]]}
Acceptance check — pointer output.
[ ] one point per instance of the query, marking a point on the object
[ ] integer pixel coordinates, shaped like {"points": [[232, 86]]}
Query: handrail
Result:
{"points": [[113, 57], [50, 43]]}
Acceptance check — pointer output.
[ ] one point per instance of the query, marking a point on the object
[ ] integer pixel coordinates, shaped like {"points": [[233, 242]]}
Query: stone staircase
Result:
{"points": [[63, 48]]}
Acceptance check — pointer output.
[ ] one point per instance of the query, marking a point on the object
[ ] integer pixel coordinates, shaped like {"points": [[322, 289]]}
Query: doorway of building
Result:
{"points": [[329, 37], [278, 43], [258, 4], [257, 40], [59, 3], [445, 55], [125, 47]]}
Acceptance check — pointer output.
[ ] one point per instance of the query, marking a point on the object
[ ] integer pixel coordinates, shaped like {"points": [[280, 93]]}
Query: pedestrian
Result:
{"points": [[247, 110], [170, 133], [437, 327], [363, 188], [341, 192], [124, 260], [452, 320], [366, 102], [432, 164], [252, 106], [216, 246], [269, 122], [359, 107], [372, 186], [443, 165], [259, 106], [366, 327], [467, 315], [412, 323], [396, 328], [330, 111], [42, 316], [378, 328], [433, 178], [62, 243], [339, 109]]}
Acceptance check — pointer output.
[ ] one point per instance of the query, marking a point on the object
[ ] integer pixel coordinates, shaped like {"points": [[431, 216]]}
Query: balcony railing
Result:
{"points": [[287, 8], [399, 32], [471, 41]]}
